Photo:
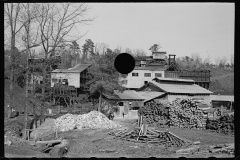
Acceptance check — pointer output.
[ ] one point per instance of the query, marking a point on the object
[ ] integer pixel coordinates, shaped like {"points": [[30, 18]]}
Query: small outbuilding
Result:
{"points": [[227, 101]]}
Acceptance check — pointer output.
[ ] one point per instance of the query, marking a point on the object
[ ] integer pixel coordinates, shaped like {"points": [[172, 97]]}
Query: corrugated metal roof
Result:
{"points": [[222, 98], [180, 88], [77, 69], [175, 79], [128, 95], [149, 95]]}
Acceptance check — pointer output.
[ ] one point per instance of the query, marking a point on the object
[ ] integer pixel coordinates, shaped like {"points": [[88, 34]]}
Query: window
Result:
{"points": [[65, 81], [158, 74], [135, 74], [54, 80], [147, 74], [145, 82], [120, 103]]}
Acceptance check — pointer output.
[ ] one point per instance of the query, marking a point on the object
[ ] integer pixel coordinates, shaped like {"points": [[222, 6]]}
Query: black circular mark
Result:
{"points": [[124, 63], [152, 158]]}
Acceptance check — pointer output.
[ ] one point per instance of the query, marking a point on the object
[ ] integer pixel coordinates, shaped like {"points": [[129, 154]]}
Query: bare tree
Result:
{"points": [[217, 60], [129, 51], [14, 23], [101, 48], [56, 23], [196, 59], [223, 61], [139, 52], [207, 60], [232, 60]]}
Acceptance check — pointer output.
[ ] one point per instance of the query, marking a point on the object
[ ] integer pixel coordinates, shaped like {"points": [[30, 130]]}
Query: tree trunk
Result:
{"points": [[100, 101], [11, 72]]}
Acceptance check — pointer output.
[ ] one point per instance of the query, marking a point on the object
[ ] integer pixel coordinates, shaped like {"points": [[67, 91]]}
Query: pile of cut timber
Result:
{"points": [[91, 120], [154, 113], [186, 114], [150, 136], [224, 124]]}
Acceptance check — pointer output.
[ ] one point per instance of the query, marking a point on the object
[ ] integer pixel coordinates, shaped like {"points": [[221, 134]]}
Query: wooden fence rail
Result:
{"points": [[28, 135]]}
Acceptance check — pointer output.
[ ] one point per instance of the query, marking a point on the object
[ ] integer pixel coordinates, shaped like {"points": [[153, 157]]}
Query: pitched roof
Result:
{"points": [[128, 95], [146, 95], [175, 79], [222, 98], [152, 68], [180, 88], [77, 69]]}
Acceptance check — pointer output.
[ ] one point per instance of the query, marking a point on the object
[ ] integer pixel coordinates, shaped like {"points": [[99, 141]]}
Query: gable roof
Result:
{"points": [[128, 95], [77, 69], [180, 88], [147, 96]]}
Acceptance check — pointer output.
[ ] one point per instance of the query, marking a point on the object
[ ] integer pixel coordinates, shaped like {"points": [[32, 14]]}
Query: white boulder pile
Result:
{"points": [[91, 120]]}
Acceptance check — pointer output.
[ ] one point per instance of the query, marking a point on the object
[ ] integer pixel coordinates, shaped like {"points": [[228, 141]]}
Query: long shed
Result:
{"points": [[175, 89]]}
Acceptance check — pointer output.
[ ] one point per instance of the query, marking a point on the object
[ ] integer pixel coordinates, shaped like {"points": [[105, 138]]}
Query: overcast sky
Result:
{"points": [[181, 28]]}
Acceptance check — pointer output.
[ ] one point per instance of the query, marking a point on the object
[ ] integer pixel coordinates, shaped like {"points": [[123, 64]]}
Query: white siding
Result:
{"points": [[160, 55], [73, 78], [137, 82]]}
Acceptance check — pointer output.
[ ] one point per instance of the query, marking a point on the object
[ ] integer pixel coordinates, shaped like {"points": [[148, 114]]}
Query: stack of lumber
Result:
{"points": [[222, 148], [224, 124], [91, 120], [186, 114], [149, 136], [154, 113]]}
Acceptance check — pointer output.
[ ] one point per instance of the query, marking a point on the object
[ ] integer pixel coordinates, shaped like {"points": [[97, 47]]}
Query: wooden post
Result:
{"points": [[28, 134], [56, 135], [231, 107], [35, 134], [221, 110]]}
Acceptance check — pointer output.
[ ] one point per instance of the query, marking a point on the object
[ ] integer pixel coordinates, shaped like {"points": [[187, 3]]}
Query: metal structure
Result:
{"points": [[201, 77]]}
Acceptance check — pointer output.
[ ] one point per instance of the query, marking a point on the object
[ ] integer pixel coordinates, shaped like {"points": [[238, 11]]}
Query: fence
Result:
{"points": [[27, 131]]}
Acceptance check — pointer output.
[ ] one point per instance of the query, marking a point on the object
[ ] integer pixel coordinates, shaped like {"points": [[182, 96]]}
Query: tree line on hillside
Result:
{"points": [[195, 61]]}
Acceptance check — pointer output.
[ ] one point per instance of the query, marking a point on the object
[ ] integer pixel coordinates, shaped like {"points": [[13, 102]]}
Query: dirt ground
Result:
{"points": [[97, 143]]}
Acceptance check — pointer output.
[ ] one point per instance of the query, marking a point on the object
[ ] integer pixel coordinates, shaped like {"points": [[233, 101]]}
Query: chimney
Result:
{"points": [[171, 58]]}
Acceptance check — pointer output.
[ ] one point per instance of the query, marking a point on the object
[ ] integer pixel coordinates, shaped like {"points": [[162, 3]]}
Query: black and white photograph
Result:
{"points": [[111, 80]]}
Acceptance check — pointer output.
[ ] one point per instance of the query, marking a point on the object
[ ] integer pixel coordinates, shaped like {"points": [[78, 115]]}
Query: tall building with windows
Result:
{"points": [[146, 68]]}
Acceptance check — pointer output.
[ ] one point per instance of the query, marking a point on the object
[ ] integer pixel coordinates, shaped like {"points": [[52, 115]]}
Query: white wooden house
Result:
{"points": [[76, 76]]}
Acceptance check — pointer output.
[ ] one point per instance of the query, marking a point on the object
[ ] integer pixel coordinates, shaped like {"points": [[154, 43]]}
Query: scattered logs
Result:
{"points": [[151, 136]]}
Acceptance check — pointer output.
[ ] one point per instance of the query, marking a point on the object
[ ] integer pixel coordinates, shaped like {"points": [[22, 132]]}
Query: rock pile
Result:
{"points": [[91, 120]]}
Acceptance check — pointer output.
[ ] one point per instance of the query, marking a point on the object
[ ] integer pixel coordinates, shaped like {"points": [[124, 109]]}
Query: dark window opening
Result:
{"points": [[135, 74], [147, 74], [158, 74]]}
